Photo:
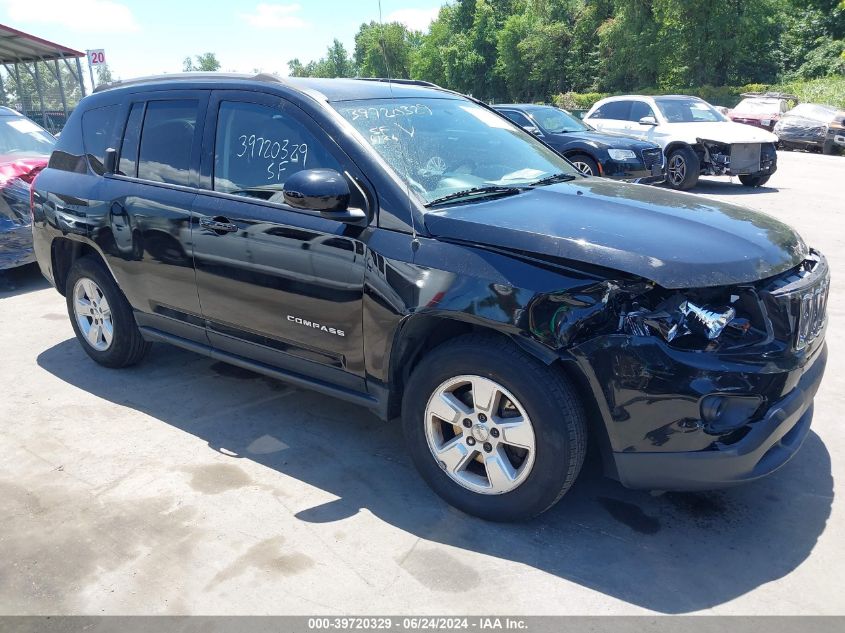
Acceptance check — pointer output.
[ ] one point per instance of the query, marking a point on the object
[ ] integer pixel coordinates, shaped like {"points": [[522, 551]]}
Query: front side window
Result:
{"points": [[443, 146], [167, 138], [258, 147], [639, 109], [556, 121], [688, 110], [98, 128], [518, 118]]}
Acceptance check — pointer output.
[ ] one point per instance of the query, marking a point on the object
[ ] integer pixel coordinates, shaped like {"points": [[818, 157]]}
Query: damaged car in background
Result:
{"points": [[430, 260], [697, 139], [812, 127]]}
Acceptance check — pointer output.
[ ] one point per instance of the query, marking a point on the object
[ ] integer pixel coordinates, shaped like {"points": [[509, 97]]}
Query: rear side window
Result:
{"points": [[128, 164], [258, 147], [617, 110], [98, 133], [167, 139]]}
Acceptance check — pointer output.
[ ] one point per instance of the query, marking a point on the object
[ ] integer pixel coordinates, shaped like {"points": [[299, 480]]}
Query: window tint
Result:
{"points": [[613, 110], [639, 109], [518, 118], [129, 148], [166, 141], [98, 133], [258, 147]]}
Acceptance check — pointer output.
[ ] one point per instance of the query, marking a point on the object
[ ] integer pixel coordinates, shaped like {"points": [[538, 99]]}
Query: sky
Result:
{"points": [[154, 36]]}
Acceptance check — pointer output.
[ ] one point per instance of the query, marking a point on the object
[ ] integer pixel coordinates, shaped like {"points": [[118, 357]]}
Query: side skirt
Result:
{"points": [[297, 380]]}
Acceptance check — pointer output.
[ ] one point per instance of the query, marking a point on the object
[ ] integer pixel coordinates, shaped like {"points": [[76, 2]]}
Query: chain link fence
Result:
{"points": [[45, 91]]}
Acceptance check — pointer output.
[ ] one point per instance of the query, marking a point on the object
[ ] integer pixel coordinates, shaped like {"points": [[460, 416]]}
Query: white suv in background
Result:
{"points": [[695, 137]]}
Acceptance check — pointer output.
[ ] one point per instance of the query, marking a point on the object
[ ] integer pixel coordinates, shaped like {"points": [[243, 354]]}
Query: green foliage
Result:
{"points": [[385, 50], [531, 50], [206, 62]]}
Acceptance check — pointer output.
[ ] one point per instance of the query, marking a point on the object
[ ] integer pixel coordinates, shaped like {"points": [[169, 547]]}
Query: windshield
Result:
{"points": [[555, 121], [21, 138], [758, 106], [688, 110], [444, 146]]}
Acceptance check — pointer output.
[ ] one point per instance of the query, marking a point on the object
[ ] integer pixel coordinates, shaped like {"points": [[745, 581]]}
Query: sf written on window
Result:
{"points": [[258, 147]]}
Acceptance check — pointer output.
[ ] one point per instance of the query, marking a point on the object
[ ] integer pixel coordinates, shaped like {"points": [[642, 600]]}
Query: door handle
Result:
{"points": [[218, 225]]}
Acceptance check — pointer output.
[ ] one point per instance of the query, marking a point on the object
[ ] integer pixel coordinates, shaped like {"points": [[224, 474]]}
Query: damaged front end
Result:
{"points": [[726, 372], [734, 159]]}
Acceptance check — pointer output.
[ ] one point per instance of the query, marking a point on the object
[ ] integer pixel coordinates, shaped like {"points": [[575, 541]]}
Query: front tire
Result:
{"points": [[585, 165], [494, 432], [754, 181], [682, 169], [101, 316]]}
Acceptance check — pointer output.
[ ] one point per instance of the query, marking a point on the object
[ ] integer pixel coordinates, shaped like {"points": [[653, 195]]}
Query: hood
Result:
{"points": [[721, 132], [676, 240], [605, 140]]}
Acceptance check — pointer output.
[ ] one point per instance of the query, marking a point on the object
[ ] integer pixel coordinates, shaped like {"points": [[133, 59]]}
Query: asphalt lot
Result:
{"points": [[189, 486]]}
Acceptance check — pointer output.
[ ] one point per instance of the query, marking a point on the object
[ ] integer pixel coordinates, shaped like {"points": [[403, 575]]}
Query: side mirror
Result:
{"points": [[648, 120], [110, 161], [532, 129], [324, 191]]}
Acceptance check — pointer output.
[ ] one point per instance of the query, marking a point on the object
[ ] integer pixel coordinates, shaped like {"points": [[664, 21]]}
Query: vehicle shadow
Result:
{"points": [[20, 280], [729, 187], [674, 553]]}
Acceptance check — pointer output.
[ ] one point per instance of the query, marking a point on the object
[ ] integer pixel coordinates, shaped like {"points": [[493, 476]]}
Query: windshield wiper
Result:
{"points": [[548, 180], [476, 192]]}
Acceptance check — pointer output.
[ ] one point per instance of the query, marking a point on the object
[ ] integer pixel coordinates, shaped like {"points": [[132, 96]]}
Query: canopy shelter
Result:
{"points": [[43, 79]]}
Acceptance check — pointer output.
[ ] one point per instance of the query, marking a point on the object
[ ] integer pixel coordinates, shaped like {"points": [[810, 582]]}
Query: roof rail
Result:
{"points": [[770, 95], [120, 83], [407, 82]]}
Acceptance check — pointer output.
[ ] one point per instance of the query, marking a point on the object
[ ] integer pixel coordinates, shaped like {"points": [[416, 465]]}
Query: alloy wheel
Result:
{"points": [[93, 314], [584, 168], [677, 169], [480, 434]]}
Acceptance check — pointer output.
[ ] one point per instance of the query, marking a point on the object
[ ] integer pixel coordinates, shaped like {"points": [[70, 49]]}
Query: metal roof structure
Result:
{"points": [[17, 46], [43, 90]]}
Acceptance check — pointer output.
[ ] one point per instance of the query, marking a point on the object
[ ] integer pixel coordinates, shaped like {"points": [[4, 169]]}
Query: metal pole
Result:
{"points": [[79, 77], [90, 69], [61, 87], [40, 95], [21, 105]]}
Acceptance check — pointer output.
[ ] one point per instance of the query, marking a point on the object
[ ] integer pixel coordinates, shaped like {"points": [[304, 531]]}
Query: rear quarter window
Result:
{"points": [[614, 110], [99, 133]]}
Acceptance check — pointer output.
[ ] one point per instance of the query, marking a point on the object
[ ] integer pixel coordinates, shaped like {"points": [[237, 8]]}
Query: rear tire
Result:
{"points": [[534, 431], [101, 317], [585, 164], [682, 168], [754, 181]]}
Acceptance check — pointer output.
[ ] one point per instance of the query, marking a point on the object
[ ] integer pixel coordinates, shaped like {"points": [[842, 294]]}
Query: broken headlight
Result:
{"points": [[678, 316]]}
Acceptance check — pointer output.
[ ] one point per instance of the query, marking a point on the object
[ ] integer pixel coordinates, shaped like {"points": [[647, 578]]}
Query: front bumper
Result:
{"points": [[633, 171], [771, 442]]}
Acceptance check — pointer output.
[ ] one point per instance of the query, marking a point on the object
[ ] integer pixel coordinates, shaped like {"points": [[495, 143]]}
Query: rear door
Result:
{"points": [[146, 225], [277, 285], [611, 116]]}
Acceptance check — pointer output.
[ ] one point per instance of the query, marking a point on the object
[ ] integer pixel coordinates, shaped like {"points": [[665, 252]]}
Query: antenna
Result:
{"points": [[415, 243]]}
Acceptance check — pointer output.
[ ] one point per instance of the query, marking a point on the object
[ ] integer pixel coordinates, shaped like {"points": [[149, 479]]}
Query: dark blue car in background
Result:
{"points": [[594, 153]]}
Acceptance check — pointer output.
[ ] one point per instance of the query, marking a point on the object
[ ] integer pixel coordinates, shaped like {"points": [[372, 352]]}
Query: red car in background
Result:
{"points": [[25, 148], [761, 110]]}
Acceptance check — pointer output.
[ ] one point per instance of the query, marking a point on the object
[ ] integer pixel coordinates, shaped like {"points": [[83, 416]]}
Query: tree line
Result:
{"points": [[531, 50]]}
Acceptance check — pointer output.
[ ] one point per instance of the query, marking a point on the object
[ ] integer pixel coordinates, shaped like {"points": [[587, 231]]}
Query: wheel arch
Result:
{"points": [[419, 334], [64, 252]]}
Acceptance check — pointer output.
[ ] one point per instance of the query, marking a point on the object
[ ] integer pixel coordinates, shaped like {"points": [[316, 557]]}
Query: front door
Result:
{"points": [[276, 285]]}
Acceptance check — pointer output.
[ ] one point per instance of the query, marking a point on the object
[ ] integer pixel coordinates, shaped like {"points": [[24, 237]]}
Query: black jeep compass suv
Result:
{"points": [[411, 250]]}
